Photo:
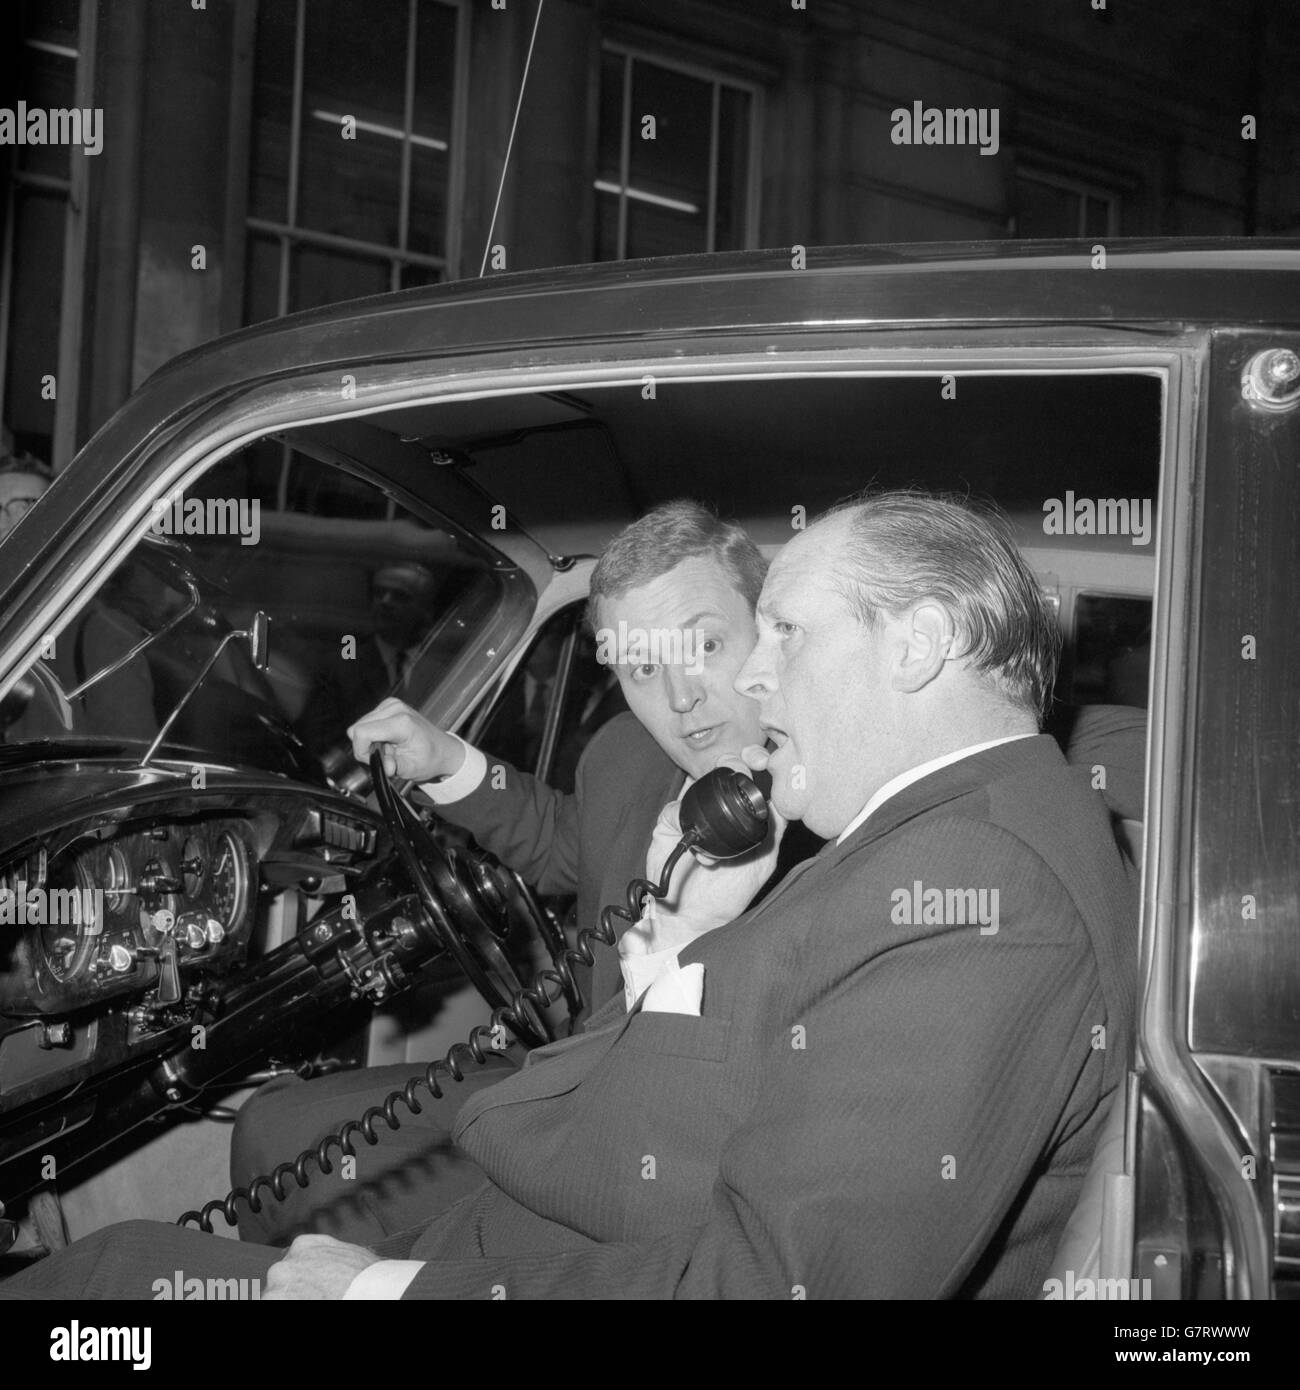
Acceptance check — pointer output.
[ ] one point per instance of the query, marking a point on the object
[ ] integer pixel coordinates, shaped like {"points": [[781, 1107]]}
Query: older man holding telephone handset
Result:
{"points": [[678, 572], [885, 1079]]}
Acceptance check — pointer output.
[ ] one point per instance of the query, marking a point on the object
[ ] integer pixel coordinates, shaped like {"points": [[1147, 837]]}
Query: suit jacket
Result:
{"points": [[593, 842], [868, 1106]]}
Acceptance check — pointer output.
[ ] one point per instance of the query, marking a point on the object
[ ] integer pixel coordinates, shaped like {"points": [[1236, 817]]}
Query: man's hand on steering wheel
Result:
{"points": [[411, 747], [470, 900]]}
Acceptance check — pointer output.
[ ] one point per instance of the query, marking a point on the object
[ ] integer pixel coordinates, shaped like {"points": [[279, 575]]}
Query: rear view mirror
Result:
{"points": [[259, 640]]}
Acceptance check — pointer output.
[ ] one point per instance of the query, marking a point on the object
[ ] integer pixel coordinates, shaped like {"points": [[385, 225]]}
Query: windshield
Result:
{"points": [[364, 599]]}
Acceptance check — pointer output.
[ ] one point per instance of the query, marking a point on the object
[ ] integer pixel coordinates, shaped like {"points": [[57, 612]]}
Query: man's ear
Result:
{"points": [[927, 641]]}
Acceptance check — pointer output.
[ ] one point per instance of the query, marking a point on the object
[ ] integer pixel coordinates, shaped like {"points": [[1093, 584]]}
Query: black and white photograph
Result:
{"points": [[648, 652]]}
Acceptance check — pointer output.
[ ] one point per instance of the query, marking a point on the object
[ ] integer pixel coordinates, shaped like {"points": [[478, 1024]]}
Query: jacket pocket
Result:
{"points": [[679, 1035]]}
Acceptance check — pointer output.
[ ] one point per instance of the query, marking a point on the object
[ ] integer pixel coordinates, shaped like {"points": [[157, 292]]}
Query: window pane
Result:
{"points": [[435, 76], [609, 156], [1097, 215], [675, 164], [254, 473], [653, 231], [607, 227], [262, 279], [328, 277], [435, 70], [48, 81], [733, 170], [413, 275], [1112, 650], [610, 139], [410, 595], [427, 225], [54, 21], [268, 194], [331, 492], [1044, 210], [36, 296], [668, 176], [592, 697], [354, 65]]}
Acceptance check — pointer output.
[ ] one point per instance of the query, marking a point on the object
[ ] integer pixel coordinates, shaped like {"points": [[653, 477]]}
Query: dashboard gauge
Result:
{"points": [[194, 865], [74, 921], [228, 880], [117, 880], [158, 906]]}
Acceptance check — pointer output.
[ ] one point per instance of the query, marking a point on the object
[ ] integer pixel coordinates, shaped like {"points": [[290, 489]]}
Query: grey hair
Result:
{"points": [[911, 545]]}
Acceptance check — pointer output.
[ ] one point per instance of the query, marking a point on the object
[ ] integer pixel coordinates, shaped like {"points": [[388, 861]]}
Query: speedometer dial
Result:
{"points": [[228, 879], [72, 925]]}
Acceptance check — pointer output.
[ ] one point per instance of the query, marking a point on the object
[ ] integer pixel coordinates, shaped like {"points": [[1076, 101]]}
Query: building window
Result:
{"points": [[1050, 206], [41, 253], [677, 158], [333, 218]]}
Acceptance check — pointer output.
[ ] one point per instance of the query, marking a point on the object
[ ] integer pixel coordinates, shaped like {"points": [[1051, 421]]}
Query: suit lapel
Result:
{"points": [[972, 774]]}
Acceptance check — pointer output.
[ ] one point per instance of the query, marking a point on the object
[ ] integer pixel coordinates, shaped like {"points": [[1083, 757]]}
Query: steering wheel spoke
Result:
{"points": [[474, 905]]}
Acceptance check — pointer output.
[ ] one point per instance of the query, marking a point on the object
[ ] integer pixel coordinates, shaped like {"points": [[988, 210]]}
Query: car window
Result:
{"points": [[364, 598], [1112, 650], [558, 687]]}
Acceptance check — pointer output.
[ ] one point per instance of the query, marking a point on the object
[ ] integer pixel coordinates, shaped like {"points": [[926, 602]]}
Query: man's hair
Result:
{"points": [[662, 539], [21, 462], [908, 546]]}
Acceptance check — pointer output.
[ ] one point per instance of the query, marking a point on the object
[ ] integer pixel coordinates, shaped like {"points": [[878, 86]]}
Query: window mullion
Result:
{"points": [[408, 121], [625, 157], [710, 234], [295, 119]]}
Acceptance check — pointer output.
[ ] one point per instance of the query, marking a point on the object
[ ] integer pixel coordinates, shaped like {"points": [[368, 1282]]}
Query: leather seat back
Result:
{"points": [[1096, 1241]]}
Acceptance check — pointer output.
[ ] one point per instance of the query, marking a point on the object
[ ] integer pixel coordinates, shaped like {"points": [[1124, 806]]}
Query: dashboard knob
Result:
{"points": [[195, 937], [120, 959], [216, 933]]}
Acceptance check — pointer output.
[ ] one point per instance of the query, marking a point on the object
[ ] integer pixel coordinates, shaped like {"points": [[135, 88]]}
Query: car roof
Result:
{"points": [[1213, 280]]}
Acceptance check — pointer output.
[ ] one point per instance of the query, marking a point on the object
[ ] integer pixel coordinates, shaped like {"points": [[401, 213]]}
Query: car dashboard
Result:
{"points": [[126, 923]]}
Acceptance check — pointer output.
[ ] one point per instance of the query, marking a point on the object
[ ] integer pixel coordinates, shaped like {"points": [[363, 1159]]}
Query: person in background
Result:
{"points": [[23, 480]]}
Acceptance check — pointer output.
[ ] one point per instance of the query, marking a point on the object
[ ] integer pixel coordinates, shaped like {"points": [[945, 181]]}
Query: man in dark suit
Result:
{"points": [[402, 607], [884, 1081], [675, 568]]}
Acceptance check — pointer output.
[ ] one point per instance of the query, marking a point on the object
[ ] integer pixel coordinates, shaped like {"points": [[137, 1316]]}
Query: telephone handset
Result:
{"points": [[723, 815], [727, 812]]}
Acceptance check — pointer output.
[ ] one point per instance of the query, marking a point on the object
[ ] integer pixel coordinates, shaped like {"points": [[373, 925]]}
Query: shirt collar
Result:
{"points": [[914, 774]]}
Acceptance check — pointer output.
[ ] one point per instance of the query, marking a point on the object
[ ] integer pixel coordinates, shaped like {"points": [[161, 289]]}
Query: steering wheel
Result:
{"points": [[474, 904]]}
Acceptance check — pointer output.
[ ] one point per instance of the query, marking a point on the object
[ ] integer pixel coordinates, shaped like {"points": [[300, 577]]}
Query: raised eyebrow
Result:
{"points": [[704, 613]]}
